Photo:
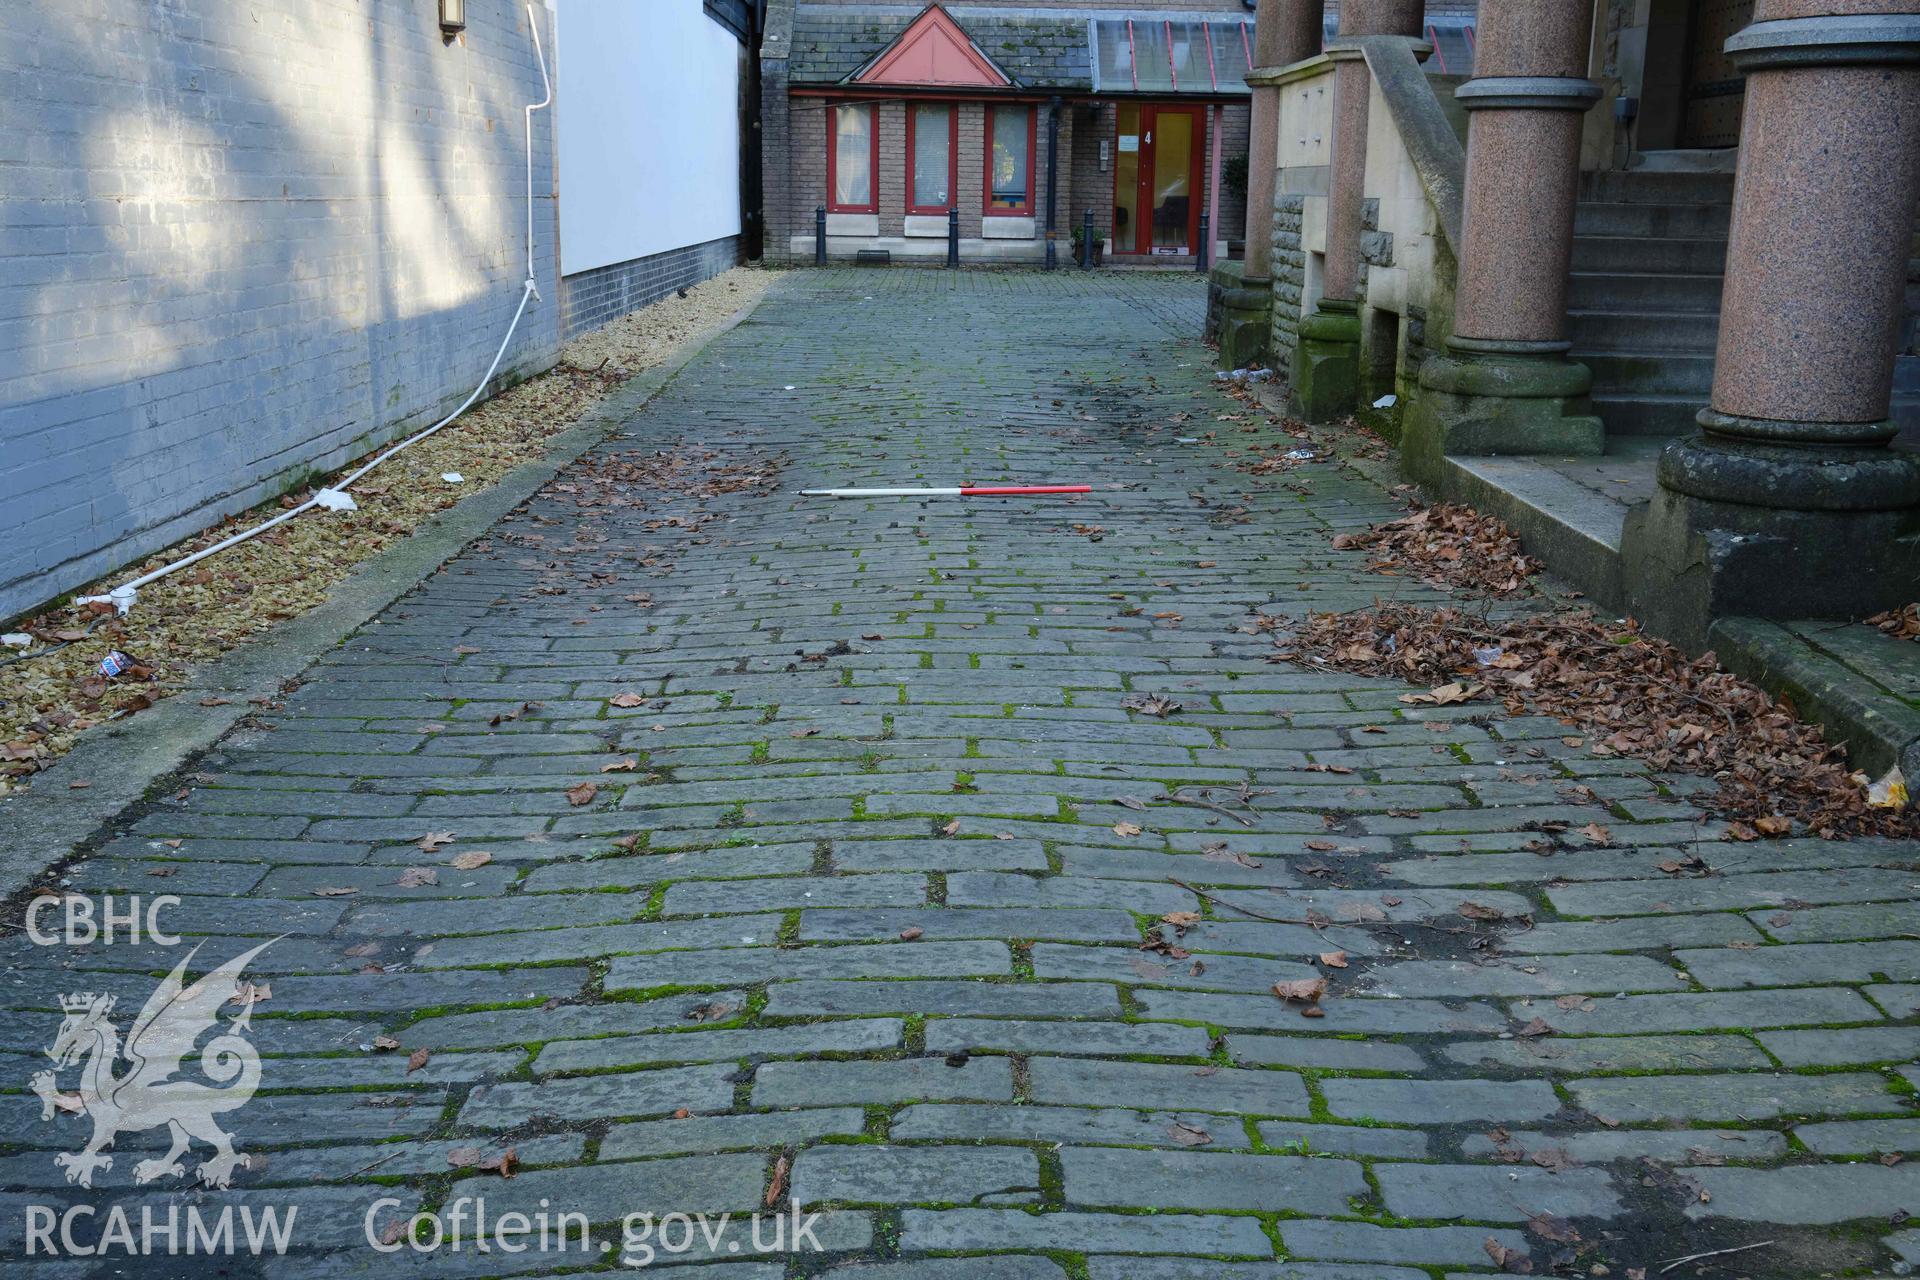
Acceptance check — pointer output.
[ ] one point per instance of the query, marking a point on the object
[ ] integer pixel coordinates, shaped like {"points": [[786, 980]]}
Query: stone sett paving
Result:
{"points": [[861, 922]]}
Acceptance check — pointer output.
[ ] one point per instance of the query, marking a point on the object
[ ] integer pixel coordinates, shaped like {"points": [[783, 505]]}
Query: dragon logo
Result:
{"points": [[144, 1096]]}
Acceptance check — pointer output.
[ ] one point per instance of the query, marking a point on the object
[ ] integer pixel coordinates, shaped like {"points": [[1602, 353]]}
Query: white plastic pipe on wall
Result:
{"points": [[335, 497]]}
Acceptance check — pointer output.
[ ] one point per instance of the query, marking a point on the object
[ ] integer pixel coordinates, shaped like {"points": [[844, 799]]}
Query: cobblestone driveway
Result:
{"points": [[853, 911]]}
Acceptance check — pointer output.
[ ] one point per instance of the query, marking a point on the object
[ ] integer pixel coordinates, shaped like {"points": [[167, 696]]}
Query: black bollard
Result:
{"points": [[1206, 243], [820, 235], [953, 237], [1086, 241]]}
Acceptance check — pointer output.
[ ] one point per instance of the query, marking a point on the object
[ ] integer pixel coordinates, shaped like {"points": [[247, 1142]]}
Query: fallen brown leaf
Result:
{"points": [[1188, 1135], [1301, 990], [777, 1185]]}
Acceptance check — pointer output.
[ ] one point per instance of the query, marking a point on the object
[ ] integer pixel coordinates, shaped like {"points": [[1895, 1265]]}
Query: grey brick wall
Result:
{"points": [[1235, 120], [805, 165], [891, 124], [777, 148], [242, 242], [590, 299], [1289, 278], [1087, 186], [970, 196]]}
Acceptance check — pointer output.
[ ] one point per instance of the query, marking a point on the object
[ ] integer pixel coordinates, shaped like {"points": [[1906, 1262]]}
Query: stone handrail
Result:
{"points": [[1423, 127]]}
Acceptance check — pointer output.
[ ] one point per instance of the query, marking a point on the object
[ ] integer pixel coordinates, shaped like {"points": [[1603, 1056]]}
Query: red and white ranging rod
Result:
{"points": [[956, 491]]}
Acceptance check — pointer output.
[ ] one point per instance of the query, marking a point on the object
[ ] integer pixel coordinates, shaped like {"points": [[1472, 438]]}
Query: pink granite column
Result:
{"points": [[1504, 384], [1285, 32], [1823, 210], [1789, 504], [1346, 182], [1526, 103]]}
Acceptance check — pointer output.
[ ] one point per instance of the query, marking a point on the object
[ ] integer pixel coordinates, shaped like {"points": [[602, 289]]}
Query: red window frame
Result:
{"points": [[873, 158], [953, 157], [986, 192]]}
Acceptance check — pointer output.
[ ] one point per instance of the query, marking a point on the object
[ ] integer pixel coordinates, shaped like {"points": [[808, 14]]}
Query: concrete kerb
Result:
{"points": [[1879, 729], [119, 762]]}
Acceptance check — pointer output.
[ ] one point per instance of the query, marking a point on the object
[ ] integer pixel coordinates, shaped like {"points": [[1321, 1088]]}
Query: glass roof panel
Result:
{"points": [[1189, 49], [1232, 54], [1112, 57], [1169, 58], [1150, 65]]}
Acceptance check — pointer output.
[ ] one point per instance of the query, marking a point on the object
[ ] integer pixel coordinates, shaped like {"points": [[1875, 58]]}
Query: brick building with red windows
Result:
{"points": [[880, 121]]}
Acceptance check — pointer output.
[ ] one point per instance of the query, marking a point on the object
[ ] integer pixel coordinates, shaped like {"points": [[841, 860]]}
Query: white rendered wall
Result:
{"points": [[648, 129]]}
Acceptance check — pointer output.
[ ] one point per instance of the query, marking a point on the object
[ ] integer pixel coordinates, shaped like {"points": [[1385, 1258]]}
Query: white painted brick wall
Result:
{"points": [[242, 240]]}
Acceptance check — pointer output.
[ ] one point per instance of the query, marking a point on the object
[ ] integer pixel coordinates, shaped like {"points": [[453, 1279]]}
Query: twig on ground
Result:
{"points": [[1713, 1253]]}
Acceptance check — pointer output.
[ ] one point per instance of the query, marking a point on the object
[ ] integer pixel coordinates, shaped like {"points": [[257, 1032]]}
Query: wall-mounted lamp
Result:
{"points": [[453, 17]]}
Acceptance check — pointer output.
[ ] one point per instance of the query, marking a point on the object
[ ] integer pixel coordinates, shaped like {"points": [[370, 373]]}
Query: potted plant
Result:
{"points": [[1233, 177], [1099, 244]]}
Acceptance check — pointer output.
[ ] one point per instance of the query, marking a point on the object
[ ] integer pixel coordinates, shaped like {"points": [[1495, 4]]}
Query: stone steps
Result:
{"points": [[1631, 373], [1644, 291], [1635, 186], [1671, 413], [1644, 332], [1666, 221], [1648, 414], [1649, 257], [1676, 254]]}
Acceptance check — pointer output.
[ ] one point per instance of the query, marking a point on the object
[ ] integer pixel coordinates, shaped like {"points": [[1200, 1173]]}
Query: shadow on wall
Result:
{"points": [[244, 246]]}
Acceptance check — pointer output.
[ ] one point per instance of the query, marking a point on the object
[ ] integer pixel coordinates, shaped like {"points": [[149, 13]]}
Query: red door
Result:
{"points": [[1157, 183]]}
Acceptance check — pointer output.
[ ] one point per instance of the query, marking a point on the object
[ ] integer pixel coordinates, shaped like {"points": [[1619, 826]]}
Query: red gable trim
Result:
{"points": [[933, 50]]}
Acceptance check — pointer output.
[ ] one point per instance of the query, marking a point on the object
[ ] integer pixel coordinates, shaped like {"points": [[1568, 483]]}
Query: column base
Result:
{"points": [[1326, 362], [1240, 315], [1771, 531], [1485, 398]]}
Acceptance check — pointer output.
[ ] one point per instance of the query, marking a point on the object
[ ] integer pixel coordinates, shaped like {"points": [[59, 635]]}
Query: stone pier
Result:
{"points": [[1790, 501], [1285, 32], [1504, 384], [1326, 365]]}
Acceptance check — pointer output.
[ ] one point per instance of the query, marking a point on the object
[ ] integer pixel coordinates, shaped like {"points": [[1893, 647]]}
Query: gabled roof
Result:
{"points": [[933, 50], [832, 43], [1119, 51]]}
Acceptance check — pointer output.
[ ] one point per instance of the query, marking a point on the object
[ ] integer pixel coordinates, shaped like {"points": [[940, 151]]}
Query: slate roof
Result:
{"points": [[1038, 49]]}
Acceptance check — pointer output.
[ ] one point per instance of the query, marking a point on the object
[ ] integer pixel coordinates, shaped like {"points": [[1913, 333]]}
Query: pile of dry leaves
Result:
{"points": [[631, 477], [1446, 546], [195, 615], [1285, 458], [1624, 693], [1902, 623]]}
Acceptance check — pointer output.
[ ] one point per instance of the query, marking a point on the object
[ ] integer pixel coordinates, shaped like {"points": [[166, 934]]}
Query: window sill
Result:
{"points": [[1003, 227], [853, 224]]}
